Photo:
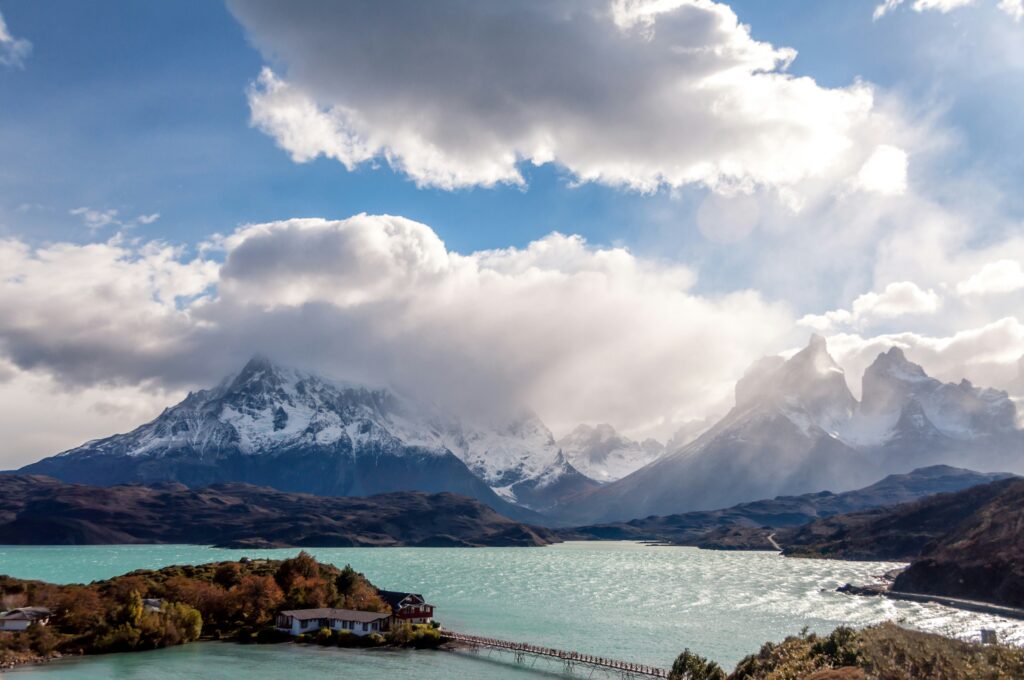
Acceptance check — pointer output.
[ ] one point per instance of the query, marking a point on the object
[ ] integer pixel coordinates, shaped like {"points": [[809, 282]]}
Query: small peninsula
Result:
{"points": [[239, 601]]}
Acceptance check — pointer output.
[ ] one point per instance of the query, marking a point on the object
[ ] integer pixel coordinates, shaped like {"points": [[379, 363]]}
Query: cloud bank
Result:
{"points": [[576, 331], [633, 94]]}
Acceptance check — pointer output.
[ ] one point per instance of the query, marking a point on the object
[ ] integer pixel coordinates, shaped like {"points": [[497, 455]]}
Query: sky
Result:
{"points": [[602, 210]]}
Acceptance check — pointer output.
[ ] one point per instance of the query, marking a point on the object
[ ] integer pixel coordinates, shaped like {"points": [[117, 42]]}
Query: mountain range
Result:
{"points": [[747, 525], [280, 427], [795, 428]]}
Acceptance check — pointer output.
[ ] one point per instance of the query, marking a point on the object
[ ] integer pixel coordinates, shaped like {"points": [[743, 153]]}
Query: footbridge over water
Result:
{"points": [[569, 659]]}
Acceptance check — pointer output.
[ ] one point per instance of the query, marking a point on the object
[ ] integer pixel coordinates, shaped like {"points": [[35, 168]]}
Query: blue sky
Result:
{"points": [[141, 107], [868, 189]]}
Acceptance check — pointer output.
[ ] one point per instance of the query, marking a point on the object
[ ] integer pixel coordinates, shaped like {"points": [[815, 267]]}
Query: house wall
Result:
{"points": [[299, 627], [15, 625], [357, 628]]}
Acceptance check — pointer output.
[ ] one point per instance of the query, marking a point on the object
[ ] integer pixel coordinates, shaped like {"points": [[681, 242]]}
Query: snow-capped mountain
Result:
{"points": [[294, 431], [896, 389], [601, 453], [797, 428]]}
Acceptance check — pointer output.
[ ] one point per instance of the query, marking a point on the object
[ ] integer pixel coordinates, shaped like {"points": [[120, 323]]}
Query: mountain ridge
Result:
{"points": [[745, 526], [797, 427]]}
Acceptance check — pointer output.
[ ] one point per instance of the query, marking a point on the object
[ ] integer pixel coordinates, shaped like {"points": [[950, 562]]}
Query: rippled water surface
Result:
{"points": [[623, 600]]}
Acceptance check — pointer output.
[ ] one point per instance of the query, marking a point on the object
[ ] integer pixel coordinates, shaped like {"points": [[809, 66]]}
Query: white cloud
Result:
{"points": [[899, 299], [96, 219], [97, 312], [13, 51], [1004, 276], [1013, 8], [633, 94], [884, 172]]}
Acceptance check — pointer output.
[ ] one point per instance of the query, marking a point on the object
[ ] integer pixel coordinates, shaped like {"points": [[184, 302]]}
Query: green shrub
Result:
{"points": [[690, 666], [325, 636], [840, 648]]}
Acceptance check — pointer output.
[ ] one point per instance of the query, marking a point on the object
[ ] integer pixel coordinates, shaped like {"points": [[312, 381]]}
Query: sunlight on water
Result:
{"points": [[622, 600]]}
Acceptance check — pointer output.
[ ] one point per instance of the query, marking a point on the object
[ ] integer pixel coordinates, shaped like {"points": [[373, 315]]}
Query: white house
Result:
{"points": [[299, 621], [22, 618]]}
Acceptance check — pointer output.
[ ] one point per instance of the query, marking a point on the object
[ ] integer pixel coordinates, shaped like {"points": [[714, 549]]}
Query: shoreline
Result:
{"points": [[976, 606]]}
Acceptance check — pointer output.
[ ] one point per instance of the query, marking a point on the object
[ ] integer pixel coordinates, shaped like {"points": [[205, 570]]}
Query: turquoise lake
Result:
{"points": [[623, 600]]}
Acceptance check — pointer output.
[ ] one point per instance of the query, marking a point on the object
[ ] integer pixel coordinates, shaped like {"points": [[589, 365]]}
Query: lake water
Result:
{"points": [[622, 600]]}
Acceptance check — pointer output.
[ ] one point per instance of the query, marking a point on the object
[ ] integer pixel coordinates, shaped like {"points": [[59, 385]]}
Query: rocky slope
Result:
{"points": [[967, 544], [980, 558], [41, 510], [278, 427], [601, 453], [797, 427], [747, 525]]}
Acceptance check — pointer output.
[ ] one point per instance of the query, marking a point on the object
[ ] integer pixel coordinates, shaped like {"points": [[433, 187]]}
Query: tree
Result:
{"points": [[255, 598], [302, 565], [690, 666], [182, 623], [228, 575], [132, 609], [346, 580]]}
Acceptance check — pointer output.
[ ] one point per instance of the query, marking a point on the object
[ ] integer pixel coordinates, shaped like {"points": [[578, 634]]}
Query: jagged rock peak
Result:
{"points": [[895, 364], [816, 355], [810, 380]]}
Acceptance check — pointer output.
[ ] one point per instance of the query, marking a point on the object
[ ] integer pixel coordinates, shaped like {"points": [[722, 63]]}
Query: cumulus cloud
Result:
{"points": [[576, 331], [1004, 276], [636, 94], [13, 51], [899, 299], [97, 312]]}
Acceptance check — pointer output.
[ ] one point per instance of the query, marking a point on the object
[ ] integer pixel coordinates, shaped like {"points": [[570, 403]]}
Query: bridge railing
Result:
{"points": [[560, 654]]}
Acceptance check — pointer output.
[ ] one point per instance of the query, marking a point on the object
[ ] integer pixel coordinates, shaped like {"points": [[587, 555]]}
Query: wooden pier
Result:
{"points": [[569, 659]]}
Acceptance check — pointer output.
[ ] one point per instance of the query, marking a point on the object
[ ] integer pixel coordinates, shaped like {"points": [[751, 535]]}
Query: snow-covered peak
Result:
{"points": [[602, 454], [896, 389], [503, 454]]}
